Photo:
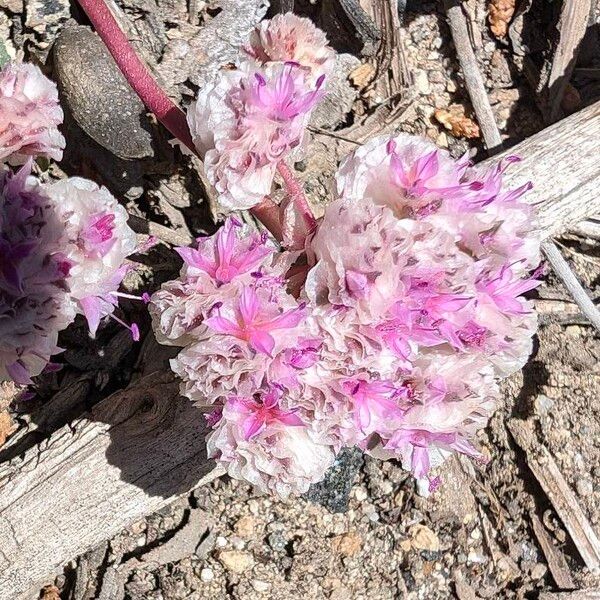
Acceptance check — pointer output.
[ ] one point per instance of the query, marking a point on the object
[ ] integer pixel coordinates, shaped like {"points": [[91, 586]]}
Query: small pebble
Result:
{"points": [[261, 586], [207, 574], [221, 541], [538, 571], [360, 494], [584, 487]]}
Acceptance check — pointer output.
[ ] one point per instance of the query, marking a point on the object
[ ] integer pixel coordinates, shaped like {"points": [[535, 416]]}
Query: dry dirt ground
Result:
{"points": [[489, 531]]}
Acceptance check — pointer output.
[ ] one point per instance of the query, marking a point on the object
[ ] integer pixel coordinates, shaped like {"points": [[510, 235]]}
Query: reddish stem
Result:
{"points": [[154, 97], [136, 73], [296, 193]]}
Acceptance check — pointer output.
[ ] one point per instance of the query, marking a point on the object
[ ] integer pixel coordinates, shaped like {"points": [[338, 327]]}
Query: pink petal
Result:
{"points": [[261, 341], [249, 305], [223, 325], [92, 311]]}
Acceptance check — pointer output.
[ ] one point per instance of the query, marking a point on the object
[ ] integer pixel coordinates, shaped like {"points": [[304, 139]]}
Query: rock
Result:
{"points": [[584, 487], [423, 538], [236, 561], [207, 574], [14, 6], [46, 18], [277, 541], [98, 96], [348, 544], [543, 404], [538, 571], [361, 494], [245, 527], [422, 83], [261, 586], [334, 491]]}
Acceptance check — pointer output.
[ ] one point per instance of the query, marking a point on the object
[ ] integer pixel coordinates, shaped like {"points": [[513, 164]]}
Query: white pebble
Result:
{"points": [[207, 574]]}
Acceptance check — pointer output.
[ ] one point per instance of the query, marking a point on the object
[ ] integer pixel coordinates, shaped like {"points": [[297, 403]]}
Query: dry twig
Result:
{"points": [[546, 471], [472, 75], [573, 22]]}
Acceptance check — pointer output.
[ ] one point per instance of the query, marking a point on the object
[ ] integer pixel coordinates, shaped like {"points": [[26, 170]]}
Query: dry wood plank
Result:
{"points": [[573, 23], [556, 560], [144, 446], [563, 163], [138, 450], [546, 471]]}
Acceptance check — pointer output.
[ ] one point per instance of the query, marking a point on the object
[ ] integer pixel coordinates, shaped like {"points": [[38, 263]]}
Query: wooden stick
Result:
{"points": [[572, 25], [472, 75], [546, 471]]}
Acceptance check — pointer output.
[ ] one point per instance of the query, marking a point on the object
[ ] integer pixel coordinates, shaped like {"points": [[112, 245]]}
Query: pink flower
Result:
{"points": [[34, 304], [248, 120], [374, 405], [255, 319], [29, 114], [227, 255], [95, 242], [256, 415], [289, 38], [279, 458], [212, 273]]}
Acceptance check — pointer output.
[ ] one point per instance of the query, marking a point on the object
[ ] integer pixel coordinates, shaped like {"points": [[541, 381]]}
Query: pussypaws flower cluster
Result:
{"points": [[386, 326], [249, 118], [62, 245]]}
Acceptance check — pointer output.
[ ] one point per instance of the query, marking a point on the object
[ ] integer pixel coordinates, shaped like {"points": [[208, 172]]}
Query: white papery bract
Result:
{"points": [[95, 242], [29, 114]]}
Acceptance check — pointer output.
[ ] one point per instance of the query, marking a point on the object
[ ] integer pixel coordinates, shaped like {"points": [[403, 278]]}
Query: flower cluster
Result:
{"points": [[62, 245], [386, 326], [248, 119]]}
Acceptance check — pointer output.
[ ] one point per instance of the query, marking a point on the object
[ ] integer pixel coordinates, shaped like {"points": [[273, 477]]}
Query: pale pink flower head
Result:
{"points": [[34, 305], [230, 254], [269, 447], [245, 122], [360, 250], [95, 242], [213, 273], [289, 38], [29, 114], [254, 318], [216, 367], [448, 398], [256, 414], [408, 174]]}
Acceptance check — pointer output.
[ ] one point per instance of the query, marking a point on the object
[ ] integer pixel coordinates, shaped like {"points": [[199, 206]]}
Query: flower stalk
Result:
{"points": [[296, 193]]}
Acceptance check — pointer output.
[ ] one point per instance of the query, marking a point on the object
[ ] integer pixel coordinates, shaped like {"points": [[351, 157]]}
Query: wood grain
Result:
{"points": [[139, 449], [563, 162], [143, 446]]}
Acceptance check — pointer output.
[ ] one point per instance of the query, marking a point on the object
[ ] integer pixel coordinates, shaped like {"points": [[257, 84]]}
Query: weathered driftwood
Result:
{"points": [[143, 446], [546, 471], [554, 557], [573, 23], [139, 449]]}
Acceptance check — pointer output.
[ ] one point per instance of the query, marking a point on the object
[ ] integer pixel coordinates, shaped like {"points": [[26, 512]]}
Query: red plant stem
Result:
{"points": [[296, 193], [154, 97], [136, 73]]}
